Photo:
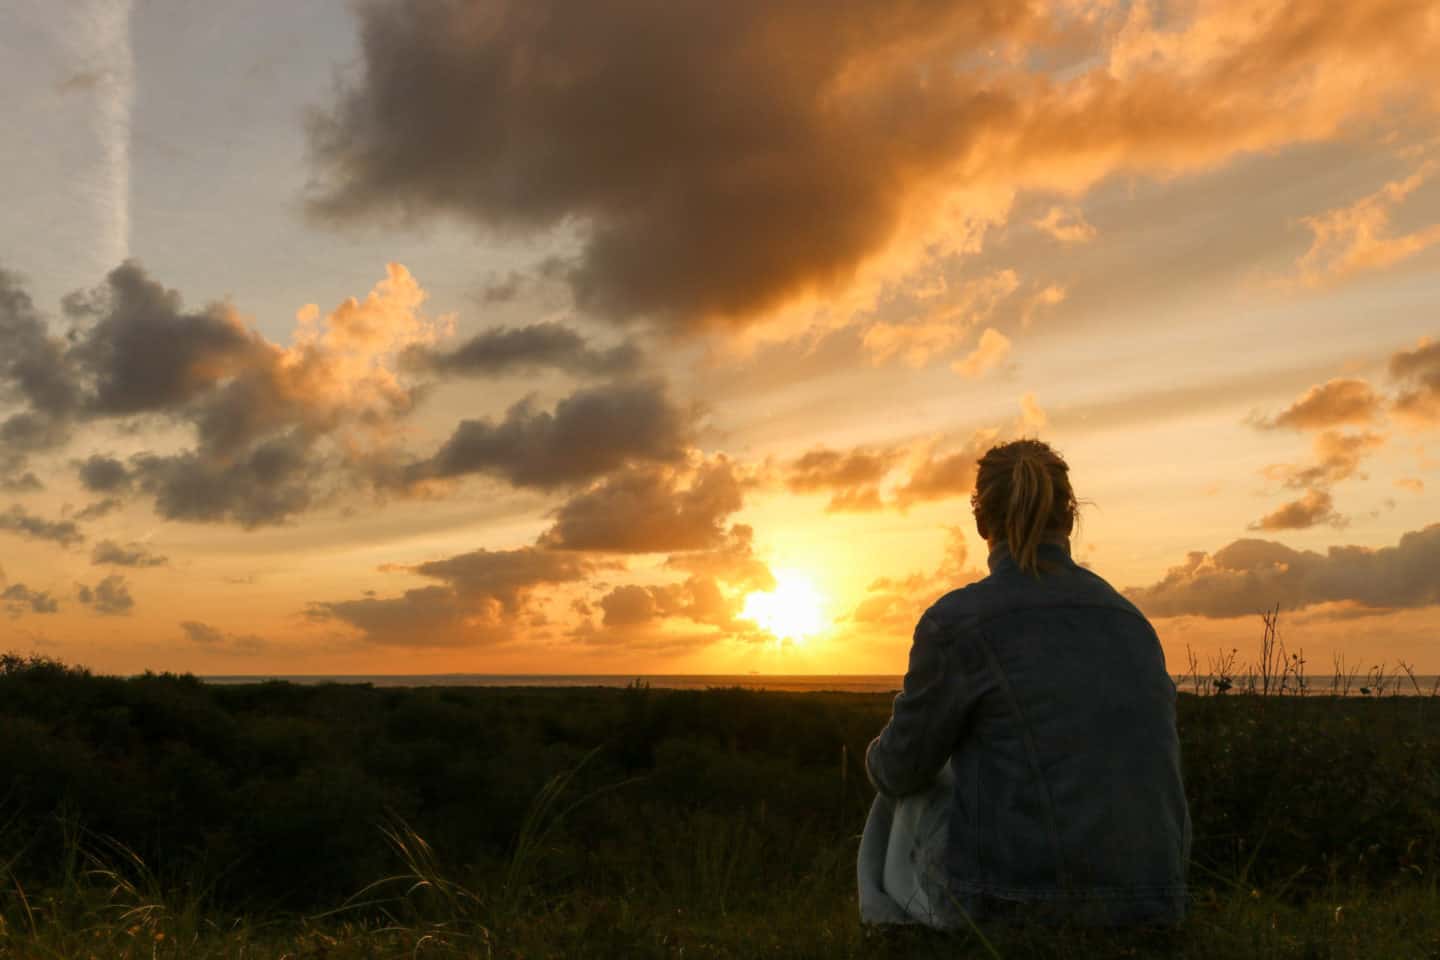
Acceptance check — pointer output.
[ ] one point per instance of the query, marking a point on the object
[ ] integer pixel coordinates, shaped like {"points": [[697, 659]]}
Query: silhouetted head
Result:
{"points": [[1023, 497]]}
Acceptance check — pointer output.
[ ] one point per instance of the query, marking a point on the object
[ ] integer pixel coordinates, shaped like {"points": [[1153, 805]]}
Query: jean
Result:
{"points": [[901, 865]]}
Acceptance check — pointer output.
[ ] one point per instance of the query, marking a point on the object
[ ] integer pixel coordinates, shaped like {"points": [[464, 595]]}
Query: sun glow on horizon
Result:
{"points": [[792, 611]]}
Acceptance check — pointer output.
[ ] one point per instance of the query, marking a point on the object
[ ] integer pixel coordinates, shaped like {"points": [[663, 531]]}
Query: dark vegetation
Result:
{"points": [[157, 813]]}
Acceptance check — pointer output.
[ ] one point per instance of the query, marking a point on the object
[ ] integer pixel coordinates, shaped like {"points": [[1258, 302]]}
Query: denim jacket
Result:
{"points": [[1049, 698]]}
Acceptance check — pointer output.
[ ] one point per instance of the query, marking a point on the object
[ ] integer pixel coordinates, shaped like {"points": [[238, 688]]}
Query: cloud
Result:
{"points": [[34, 372], [650, 509], [915, 341], [277, 429], [1032, 415], [509, 350], [897, 603], [943, 476], [732, 562], [267, 484], [99, 509], [102, 474], [215, 639], [1068, 227], [1337, 458], [852, 478], [18, 599], [1252, 575], [1357, 238], [1338, 402], [711, 596], [770, 153], [25, 482], [20, 521], [799, 167], [698, 599], [119, 355], [484, 597], [1315, 508], [1413, 484], [1050, 296], [109, 597], [108, 552], [992, 350], [1419, 371], [592, 432]]}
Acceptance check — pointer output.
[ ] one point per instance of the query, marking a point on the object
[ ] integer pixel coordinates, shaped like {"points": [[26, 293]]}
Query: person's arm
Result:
{"points": [[928, 716]]}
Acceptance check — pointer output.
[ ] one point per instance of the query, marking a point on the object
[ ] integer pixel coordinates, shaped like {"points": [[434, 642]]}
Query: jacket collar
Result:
{"points": [[1049, 553]]}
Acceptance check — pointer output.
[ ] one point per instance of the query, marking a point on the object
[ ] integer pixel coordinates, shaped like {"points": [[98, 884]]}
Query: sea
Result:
{"points": [[1359, 686]]}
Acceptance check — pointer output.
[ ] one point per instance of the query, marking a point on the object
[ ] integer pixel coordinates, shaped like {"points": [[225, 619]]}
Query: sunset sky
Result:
{"points": [[497, 337]]}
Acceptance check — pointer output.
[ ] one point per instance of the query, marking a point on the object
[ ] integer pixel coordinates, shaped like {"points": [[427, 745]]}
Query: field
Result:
{"points": [[160, 817]]}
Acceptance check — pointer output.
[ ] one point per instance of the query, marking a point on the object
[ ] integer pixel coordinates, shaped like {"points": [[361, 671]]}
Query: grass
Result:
{"points": [[157, 817]]}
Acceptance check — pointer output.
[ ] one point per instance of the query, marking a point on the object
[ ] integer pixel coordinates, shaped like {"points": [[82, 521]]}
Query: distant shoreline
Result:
{"points": [[795, 683]]}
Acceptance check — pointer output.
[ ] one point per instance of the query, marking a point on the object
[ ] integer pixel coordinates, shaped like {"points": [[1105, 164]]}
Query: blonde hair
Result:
{"points": [[1023, 496]]}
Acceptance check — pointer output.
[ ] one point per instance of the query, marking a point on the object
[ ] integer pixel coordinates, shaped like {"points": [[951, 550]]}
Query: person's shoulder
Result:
{"points": [[969, 602], [1113, 597]]}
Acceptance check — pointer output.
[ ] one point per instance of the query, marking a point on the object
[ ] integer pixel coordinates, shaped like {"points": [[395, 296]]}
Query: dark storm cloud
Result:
{"points": [[650, 510], [485, 597], [146, 353], [852, 478], [35, 373], [590, 433], [101, 474], [1252, 575], [270, 483], [109, 597], [538, 346], [20, 521], [110, 553], [718, 159], [34, 366], [761, 150]]}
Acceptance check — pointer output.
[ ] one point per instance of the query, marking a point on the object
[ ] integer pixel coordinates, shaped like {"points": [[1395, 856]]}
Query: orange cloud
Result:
{"points": [[1419, 370], [1068, 227], [988, 354], [1248, 576], [916, 341], [851, 478], [1357, 238], [772, 154], [1314, 508], [1331, 404]]}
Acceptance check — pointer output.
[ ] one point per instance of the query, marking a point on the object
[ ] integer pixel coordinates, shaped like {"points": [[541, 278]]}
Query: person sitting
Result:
{"points": [[1030, 768]]}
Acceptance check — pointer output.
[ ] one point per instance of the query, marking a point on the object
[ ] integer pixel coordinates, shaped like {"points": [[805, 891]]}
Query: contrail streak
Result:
{"points": [[107, 46]]}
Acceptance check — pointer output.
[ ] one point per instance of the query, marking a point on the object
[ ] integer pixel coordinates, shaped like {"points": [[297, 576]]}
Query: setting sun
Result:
{"points": [[792, 611]]}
